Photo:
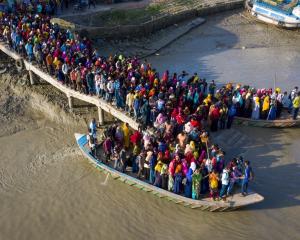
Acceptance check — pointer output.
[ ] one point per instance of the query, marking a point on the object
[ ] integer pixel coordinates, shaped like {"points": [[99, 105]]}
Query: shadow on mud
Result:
{"points": [[191, 52], [273, 155]]}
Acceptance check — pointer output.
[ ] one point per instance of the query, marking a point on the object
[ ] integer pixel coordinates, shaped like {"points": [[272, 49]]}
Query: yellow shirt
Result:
{"points": [[296, 102], [56, 62], [266, 104], [126, 135], [213, 180]]}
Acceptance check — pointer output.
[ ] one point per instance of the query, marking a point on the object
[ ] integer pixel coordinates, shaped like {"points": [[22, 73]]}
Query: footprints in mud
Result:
{"points": [[46, 159]]}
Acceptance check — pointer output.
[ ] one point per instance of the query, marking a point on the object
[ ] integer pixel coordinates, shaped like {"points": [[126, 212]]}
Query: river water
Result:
{"points": [[49, 191]]}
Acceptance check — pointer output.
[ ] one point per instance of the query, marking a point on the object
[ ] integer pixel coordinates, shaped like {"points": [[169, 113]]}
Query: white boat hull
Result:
{"points": [[272, 16], [269, 20]]}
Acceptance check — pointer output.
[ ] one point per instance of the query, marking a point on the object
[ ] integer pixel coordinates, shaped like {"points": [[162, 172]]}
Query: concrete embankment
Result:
{"points": [[202, 9]]}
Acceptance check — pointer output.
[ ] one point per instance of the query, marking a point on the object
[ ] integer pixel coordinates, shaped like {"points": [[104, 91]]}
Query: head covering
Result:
{"points": [[178, 168], [193, 166]]}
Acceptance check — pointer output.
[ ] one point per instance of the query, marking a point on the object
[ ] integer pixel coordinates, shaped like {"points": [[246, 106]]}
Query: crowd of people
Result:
{"points": [[173, 159], [135, 86], [174, 105], [49, 7]]}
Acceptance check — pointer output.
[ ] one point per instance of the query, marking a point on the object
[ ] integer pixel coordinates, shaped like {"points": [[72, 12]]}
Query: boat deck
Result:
{"points": [[234, 202], [285, 121], [285, 6]]}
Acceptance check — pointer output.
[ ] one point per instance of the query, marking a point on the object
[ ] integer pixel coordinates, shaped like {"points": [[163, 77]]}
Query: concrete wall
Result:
{"points": [[159, 23]]}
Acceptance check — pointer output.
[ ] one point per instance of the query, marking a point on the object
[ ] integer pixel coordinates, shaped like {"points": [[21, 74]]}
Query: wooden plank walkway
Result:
{"points": [[101, 104], [8, 52]]}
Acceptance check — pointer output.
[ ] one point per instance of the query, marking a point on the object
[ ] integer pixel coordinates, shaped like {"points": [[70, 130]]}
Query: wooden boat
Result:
{"points": [[232, 203], [279, 123], [282, 13]]}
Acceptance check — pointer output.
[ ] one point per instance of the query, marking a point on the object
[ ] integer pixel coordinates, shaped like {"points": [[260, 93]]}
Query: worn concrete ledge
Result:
{"points": [[165, 43], [159, 23]]}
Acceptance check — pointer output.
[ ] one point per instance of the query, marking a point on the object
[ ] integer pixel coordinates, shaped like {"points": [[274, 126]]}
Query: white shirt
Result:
{"points": [[225, 177]]}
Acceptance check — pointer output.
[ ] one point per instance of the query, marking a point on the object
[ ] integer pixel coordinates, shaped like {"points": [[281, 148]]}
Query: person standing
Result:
{"points": [[140, 161], [256, 108], [90, 79], [123, 159], [223, 115], [188, 184], [92, 2], [225, 183], [107, 146], [196, 184], [213, 184], [110, 90], [214, 117], [212, 87], [135, 153], [97, 80], [93, 126], [286, 101], [294, 93], [78, 80], [296, 106], [129, 102], [178, 178], [234, 177], [136, 107], [29, 50], [231, 114], [92, 143], [248, 176], [265, 107], [65, 71], [164, 176]]}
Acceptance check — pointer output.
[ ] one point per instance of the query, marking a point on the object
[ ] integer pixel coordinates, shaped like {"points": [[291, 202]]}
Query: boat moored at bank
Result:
{"points": [[235, 202], [279, 123], [283, 13]]}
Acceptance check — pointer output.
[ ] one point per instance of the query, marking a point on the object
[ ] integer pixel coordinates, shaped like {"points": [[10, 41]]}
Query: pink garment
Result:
{"points": [[172, 168], [201, 157], [160, 119], [185, 167], [146, 139]]}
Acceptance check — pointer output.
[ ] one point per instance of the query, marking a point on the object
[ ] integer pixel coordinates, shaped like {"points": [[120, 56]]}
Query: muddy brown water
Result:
{"points": [[48, 190]]}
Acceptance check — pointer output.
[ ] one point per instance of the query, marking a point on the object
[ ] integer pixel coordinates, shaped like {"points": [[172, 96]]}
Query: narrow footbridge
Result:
{"points": [[71, 94]]}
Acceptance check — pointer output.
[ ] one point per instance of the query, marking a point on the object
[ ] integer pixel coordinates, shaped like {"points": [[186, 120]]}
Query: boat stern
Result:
{"points": [[276, 15], [78, 136]]}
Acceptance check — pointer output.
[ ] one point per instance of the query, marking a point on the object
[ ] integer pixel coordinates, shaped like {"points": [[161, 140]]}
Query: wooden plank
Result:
{"points": [[8, 52], [138, 186], [130, 183], [147, 190], [215, 209], [186, 204], [115, 177], [205, 207], [224, 209], [195, 206]]}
